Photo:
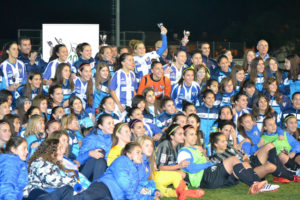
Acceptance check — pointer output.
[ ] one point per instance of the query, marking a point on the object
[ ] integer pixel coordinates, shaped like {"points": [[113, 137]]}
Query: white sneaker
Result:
{"points": [[269, 188]]}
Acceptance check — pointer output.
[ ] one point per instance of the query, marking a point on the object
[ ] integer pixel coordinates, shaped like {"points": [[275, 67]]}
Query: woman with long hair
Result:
{"points": [[33, 86]]}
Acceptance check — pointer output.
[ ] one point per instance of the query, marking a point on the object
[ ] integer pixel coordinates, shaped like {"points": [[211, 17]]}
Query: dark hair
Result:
{"points": [[154, 62], [53, 111], [196, 51], [180, 82], [10, 118], [130, 110], [185, 105], [23, 38], [278, 73], [58, 78], [2, 101], [103, 101], [237, 97], [51, 92], [209, 83], [48, 124], [157, 108], [89, 90], [137, 99], [13, 142], [219, 120], [295, 93], [27, 89], [248, 84], [254, 72], [295, 69], [4, 94], [98, 80], [102, 118], [80, 47], [101, 52], [71, 101], [255, 109], [48, 152], [29, 113], [207, 92], [241, 128], [234, 71], [224, 81], [214, 138], [245, 61], [6, 47], [224, 123], [177, 52], [221, 57], [133, 122], [55, 50], [297, 133], [176, 116], [264, 123], [164, 101], [121, 59], [267, 83], [171, 130], [129, 148]]}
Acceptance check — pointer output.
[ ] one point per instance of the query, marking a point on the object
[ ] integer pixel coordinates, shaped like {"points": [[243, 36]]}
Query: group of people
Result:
{"points": [[131, 124]]}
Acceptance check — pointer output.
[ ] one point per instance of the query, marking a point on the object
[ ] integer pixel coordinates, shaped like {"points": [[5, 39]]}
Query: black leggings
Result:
{"points": [[96, 191]]}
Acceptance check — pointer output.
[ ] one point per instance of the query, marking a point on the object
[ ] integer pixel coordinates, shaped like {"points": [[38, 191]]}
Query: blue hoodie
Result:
{"points": [[13, 177], [123, 181], [95, 140]]}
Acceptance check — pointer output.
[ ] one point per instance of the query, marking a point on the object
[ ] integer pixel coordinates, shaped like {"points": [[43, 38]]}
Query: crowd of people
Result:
{"points": [[131, 124]]}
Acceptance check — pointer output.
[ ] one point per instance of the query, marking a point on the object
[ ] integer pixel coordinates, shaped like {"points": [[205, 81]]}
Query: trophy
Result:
{"points": [[160, 25], [103, 38], [186, 36]]}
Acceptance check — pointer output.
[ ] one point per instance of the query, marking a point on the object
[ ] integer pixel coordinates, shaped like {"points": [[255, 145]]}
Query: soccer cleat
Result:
{"points": [[257, 186], [280, 180], [269, 188], [191, 194], [296, 179]]}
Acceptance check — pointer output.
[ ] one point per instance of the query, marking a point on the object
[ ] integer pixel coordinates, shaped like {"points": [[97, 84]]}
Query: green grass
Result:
{"points": [[239, 192]]}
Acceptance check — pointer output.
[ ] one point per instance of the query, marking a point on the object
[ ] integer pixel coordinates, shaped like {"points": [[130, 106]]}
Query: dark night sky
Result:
{"points": [[234, 20]]}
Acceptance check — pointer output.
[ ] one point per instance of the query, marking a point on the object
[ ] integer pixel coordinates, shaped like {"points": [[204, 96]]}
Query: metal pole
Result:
{"points": [[118, 23]]}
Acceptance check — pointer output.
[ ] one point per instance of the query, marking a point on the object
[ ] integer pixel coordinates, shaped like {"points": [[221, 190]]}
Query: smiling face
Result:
{"points": [[260, 66], [13, 51], [197, 59], [188, 77], [36, 81], [270, 126], [66, 72], [291, 125], [262, 104], [86, 53], [240, 75], [147, 148], [108, 125], [140, 50], [109, 105], [178, 137], [221, 144], [273, 65], [62, 54], [226, 114], [77, 106], [247, 123], [181, 58], [157, 71], [138, 129], [21, 150], [136, 155], [5, 133], [124, 134], [86, 73]]}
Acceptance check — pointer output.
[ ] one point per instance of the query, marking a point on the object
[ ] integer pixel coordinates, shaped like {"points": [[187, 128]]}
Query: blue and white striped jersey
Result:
{"points": [[124, 86], [51, 69], [175, 73], [259, 83], [80, 88], [183, 92], [13, 73]]}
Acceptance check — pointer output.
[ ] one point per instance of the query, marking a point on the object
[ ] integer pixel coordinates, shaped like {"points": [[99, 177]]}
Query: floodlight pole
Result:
{"points": [[117, 23]]}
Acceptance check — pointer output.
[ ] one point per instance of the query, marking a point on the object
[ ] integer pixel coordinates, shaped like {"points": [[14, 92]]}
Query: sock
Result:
{"points": [[291, 164], [255, 176], [273, 158], [244, 175], [280, 171]]}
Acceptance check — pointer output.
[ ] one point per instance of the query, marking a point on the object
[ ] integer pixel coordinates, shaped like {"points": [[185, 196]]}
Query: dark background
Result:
{"points": [[277, 21]]}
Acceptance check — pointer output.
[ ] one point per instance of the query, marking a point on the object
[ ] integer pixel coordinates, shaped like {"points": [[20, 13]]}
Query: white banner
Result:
{"points": [[71, 35]]}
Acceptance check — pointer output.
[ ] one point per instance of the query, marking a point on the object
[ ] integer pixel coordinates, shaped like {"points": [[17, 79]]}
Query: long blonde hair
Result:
{"points": [[33, 123], [141, 140]]}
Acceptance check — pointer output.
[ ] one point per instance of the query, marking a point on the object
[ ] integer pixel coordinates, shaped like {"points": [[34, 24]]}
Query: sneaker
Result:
{"points": [[269, 188], [257, 186], [280, 180], [191, 194]]}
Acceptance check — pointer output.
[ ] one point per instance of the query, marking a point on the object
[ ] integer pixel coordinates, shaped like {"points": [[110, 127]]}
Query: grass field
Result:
{"points": [[239, 192]]}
